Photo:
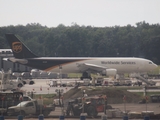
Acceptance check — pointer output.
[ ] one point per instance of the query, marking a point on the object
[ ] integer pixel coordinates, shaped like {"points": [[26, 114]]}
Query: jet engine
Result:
{"points": [[109, 72]]}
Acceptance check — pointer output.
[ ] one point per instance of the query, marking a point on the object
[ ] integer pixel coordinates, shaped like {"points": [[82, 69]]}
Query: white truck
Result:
{"points": [[52, 83], [33, 107], [7, 83], [10, 98], [25, 81]]}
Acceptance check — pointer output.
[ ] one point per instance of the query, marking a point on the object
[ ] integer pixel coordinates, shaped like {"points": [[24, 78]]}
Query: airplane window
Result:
{"points": [[150, 62]]}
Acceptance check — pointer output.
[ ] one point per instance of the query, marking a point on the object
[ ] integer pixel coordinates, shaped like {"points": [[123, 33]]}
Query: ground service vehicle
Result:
{"points": [[139, 83], [53, 83], [8, 99], [155, 98], [6, 83], [33, 107], [90, 105], [99, 82], [25, 81]]}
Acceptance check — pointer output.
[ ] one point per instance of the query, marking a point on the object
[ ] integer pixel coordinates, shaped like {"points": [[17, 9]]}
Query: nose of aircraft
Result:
{"points": [[152, 66], [155, 66]]}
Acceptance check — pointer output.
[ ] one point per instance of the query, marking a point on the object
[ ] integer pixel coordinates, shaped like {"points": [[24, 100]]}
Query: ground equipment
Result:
{"points": [[90, 105], [34, 107]]}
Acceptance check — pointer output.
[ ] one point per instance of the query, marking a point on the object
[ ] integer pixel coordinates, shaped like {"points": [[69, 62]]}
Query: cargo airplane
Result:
{"points": [[109, 66]]}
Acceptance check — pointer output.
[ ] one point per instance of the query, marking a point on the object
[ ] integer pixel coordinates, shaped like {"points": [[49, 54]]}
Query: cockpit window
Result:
{"points": [[150, 62]]}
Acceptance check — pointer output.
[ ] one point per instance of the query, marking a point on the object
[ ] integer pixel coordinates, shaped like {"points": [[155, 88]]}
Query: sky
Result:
{"points": [[96, 13]]}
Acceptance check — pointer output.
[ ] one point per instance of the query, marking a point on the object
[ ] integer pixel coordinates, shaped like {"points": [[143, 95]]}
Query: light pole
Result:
{"points": [[105, 103], [124, 100], [2, 105], [20, 117], [60, 73], [84, 93], [146, 97], [59, 93], [83, 100], [48, 90], [82, 116]]}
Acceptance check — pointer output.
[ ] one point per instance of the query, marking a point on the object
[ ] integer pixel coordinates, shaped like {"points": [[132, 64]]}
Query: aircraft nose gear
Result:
{"points": [[86, 75]]}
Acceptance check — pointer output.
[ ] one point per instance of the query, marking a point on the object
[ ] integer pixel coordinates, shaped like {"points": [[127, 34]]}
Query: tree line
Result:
{"points": [[142, 40]]}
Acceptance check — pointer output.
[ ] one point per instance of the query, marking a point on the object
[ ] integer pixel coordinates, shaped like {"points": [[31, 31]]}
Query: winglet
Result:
{"points": [[19, 49]]}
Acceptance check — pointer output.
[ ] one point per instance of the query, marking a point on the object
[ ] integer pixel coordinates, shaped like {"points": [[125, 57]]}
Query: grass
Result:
{"points": [[147, 94], [47, 98], [74, 75]]}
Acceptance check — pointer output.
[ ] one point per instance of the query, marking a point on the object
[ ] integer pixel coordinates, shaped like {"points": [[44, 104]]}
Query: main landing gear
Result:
{"points": [[86, 75]]}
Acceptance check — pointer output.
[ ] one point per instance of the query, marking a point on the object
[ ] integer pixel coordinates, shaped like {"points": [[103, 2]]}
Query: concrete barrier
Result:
{"points": [[20, 117], [61, 117], [134, 115], [147, 113], [82, 117], [146, 118], [1, 117], [41, 117], [104, 117], [125, 117]]}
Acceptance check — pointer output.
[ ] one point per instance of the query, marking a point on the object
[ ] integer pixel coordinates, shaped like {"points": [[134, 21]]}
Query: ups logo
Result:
{"points": [[17, 47]]}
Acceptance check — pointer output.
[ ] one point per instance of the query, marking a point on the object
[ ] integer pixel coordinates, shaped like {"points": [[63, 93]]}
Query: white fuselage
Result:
{"points": [[122, 65]]}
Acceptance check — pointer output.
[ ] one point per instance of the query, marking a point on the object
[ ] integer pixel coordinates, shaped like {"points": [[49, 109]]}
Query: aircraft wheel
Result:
{"points": [[31, 82], [81, 78], [19, 85], [24, 82]]}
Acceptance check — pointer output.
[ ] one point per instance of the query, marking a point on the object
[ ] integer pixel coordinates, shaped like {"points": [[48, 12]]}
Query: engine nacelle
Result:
{"points": [[109, 72]]}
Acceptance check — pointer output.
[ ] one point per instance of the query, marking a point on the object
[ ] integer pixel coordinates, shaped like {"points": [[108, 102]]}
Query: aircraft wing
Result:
{"points": [[91, 67]]}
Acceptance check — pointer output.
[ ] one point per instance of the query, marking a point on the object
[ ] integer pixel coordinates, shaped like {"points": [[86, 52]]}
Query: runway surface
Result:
{"points": [[41, 87]]}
